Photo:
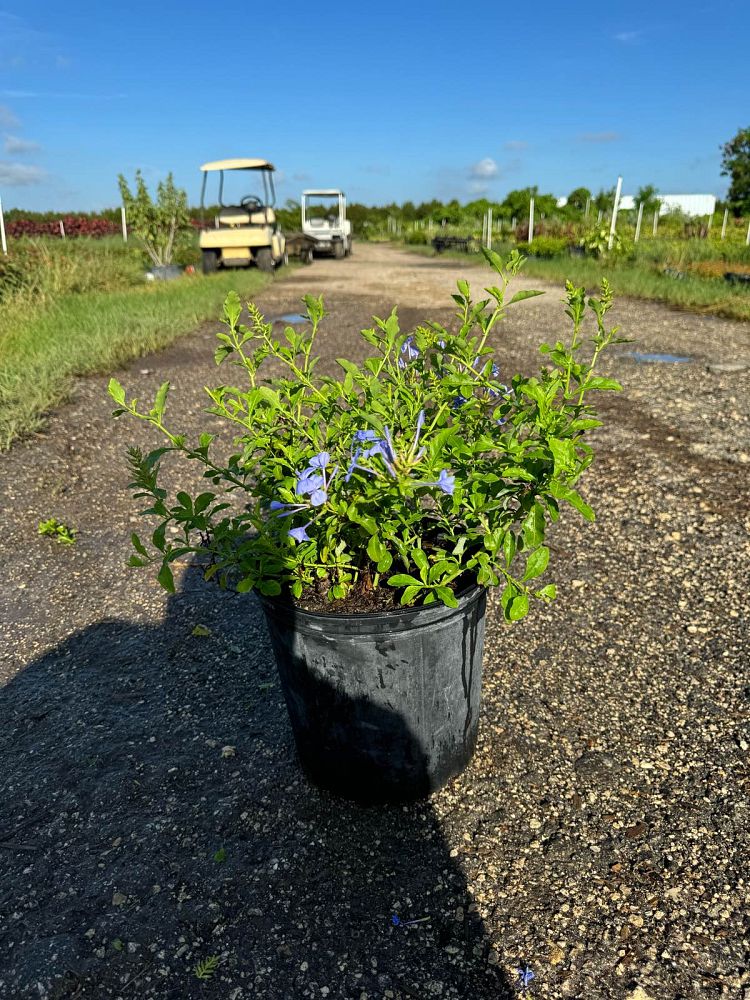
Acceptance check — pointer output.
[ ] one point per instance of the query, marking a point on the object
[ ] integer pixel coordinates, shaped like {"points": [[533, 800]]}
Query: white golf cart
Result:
{"points": [[324, 219], [245, 230]]}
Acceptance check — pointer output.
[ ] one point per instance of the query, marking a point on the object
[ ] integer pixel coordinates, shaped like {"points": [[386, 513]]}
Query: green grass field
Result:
{"points": [[638, 279], [45, 341]]}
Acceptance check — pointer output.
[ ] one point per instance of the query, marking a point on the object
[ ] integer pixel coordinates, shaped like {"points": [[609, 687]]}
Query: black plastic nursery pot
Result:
{"points": [[385, 706]]}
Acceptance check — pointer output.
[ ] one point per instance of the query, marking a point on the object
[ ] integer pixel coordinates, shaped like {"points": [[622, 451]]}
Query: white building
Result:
{"points": [[690, 204]]}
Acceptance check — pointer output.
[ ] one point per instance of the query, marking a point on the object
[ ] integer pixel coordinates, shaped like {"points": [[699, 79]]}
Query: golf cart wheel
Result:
{"points": [[339, 250], [210, 261], [307, 257], [264, 259]]}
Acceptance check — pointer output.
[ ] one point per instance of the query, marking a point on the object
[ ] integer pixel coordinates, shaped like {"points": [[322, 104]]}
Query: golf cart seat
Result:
{"points": [[265, 217], [234, 217]]}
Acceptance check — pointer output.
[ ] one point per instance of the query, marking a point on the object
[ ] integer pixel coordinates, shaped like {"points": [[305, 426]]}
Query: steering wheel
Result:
{"points": [[251, 202]]}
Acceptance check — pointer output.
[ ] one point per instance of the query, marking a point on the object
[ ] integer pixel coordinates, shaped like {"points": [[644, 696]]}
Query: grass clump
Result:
{"points": [[84, 307]]}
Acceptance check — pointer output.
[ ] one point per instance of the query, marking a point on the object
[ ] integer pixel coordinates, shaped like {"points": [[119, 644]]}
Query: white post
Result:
{"points": [[724, 223], [531, 220], [638, 223], [124, 222], [62, 228], [586, 210], [513, 222], [2, 229], [489, 228], [484, 230], [613, 221], [599, 217], [710, 223], [747, 238], [656, 222]]}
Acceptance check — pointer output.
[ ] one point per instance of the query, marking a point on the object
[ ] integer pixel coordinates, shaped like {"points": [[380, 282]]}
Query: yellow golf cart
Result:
{"points": [[245, 230]]}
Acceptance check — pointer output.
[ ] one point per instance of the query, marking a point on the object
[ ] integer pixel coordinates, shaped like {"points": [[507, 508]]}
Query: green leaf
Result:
{"points": [[116, 391], [527, 293], [533, 527], [420, 561], [246, 584], [201, 631], [160, 401], [270, 588], [518, 608], [536, 563], [375, 549], [403, 580], [603, 383], [447, 596], [165, 578], [548, 593], [221, 855], [232, 308], [138, 545], [409, 594]]}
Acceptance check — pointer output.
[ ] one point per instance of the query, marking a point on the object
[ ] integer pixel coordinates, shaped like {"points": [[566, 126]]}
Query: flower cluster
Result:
{"points": [[417, 469]]}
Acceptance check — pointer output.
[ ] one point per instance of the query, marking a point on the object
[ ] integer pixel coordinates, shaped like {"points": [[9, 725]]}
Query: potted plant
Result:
{"points": [[157, 225], [370, 511]]}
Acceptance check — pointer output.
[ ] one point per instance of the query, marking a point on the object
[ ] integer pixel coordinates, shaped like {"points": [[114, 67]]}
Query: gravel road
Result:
{"points": [[153, 814]]}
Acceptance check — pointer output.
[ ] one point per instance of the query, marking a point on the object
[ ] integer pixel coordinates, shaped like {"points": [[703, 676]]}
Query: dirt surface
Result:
{"points": [[153, 811]]}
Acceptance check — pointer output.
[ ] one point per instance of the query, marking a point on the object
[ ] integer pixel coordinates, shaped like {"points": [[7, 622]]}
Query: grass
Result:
{"points": [[636, 279], [46, 341]]}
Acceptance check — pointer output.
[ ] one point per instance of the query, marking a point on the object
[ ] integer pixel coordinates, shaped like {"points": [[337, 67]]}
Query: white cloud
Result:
{"points": [[20, 174], [515, 145], [485, 169], [599, 137], [626, 36], [15, 144], [7, 118]]}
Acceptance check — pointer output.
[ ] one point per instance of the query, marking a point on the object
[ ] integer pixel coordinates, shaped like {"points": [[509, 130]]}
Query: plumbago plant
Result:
{"points": [[417, 470]]}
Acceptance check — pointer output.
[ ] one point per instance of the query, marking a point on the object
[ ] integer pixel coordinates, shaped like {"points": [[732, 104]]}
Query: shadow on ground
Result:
{"points": [[155, 817]]}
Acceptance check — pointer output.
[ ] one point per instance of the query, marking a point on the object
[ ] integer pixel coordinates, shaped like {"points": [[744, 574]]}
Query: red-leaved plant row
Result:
{"points": [[75, 225]]}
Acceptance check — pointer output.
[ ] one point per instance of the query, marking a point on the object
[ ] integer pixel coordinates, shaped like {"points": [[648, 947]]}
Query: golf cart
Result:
{"points": [[327, 223], [245, 231]]}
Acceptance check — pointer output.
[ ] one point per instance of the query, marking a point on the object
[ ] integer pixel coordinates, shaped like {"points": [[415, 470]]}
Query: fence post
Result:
{"points": [[513, 222], [531, 220], [124, 224], [62, 228], [638, 223], [710, 223], [2, 229], [747, 238], [724, 223], [586, 210], [489, 228], [613, 221], [599, 217], [656, 222]]}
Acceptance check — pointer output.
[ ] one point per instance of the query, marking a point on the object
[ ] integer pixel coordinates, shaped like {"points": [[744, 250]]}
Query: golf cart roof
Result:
{"points": [[238, 164], [323, 192]]}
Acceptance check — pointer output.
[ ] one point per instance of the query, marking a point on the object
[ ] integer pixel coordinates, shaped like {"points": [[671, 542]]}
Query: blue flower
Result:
{"points": [[319, 461], [445, 481], [525, 975], [308, 483], [409, 350], [458, 402], [300, 534], [285, 509]]}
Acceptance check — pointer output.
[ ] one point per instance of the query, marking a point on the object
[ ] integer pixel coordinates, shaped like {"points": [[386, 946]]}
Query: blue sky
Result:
{"points": [[391, 101]]}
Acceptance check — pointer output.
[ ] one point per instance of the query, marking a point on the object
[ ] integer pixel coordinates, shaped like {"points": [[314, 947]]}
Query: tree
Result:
{"points": [[156, 224], [735, 163], [578, 198], [648, 197]]}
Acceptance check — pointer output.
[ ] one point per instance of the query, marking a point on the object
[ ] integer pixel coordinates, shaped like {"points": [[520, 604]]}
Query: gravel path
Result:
{"points": [[153, 812]]}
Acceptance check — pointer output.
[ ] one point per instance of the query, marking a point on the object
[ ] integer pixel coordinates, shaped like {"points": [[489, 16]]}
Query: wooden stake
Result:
{"points": [[656, 222], [531, 220], [62, 228], [724, 223], [615, 207], [638, 223]]}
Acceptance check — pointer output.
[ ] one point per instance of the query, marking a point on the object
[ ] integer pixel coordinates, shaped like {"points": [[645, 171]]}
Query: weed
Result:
{"points": [[57, 530], [204, 970]]}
